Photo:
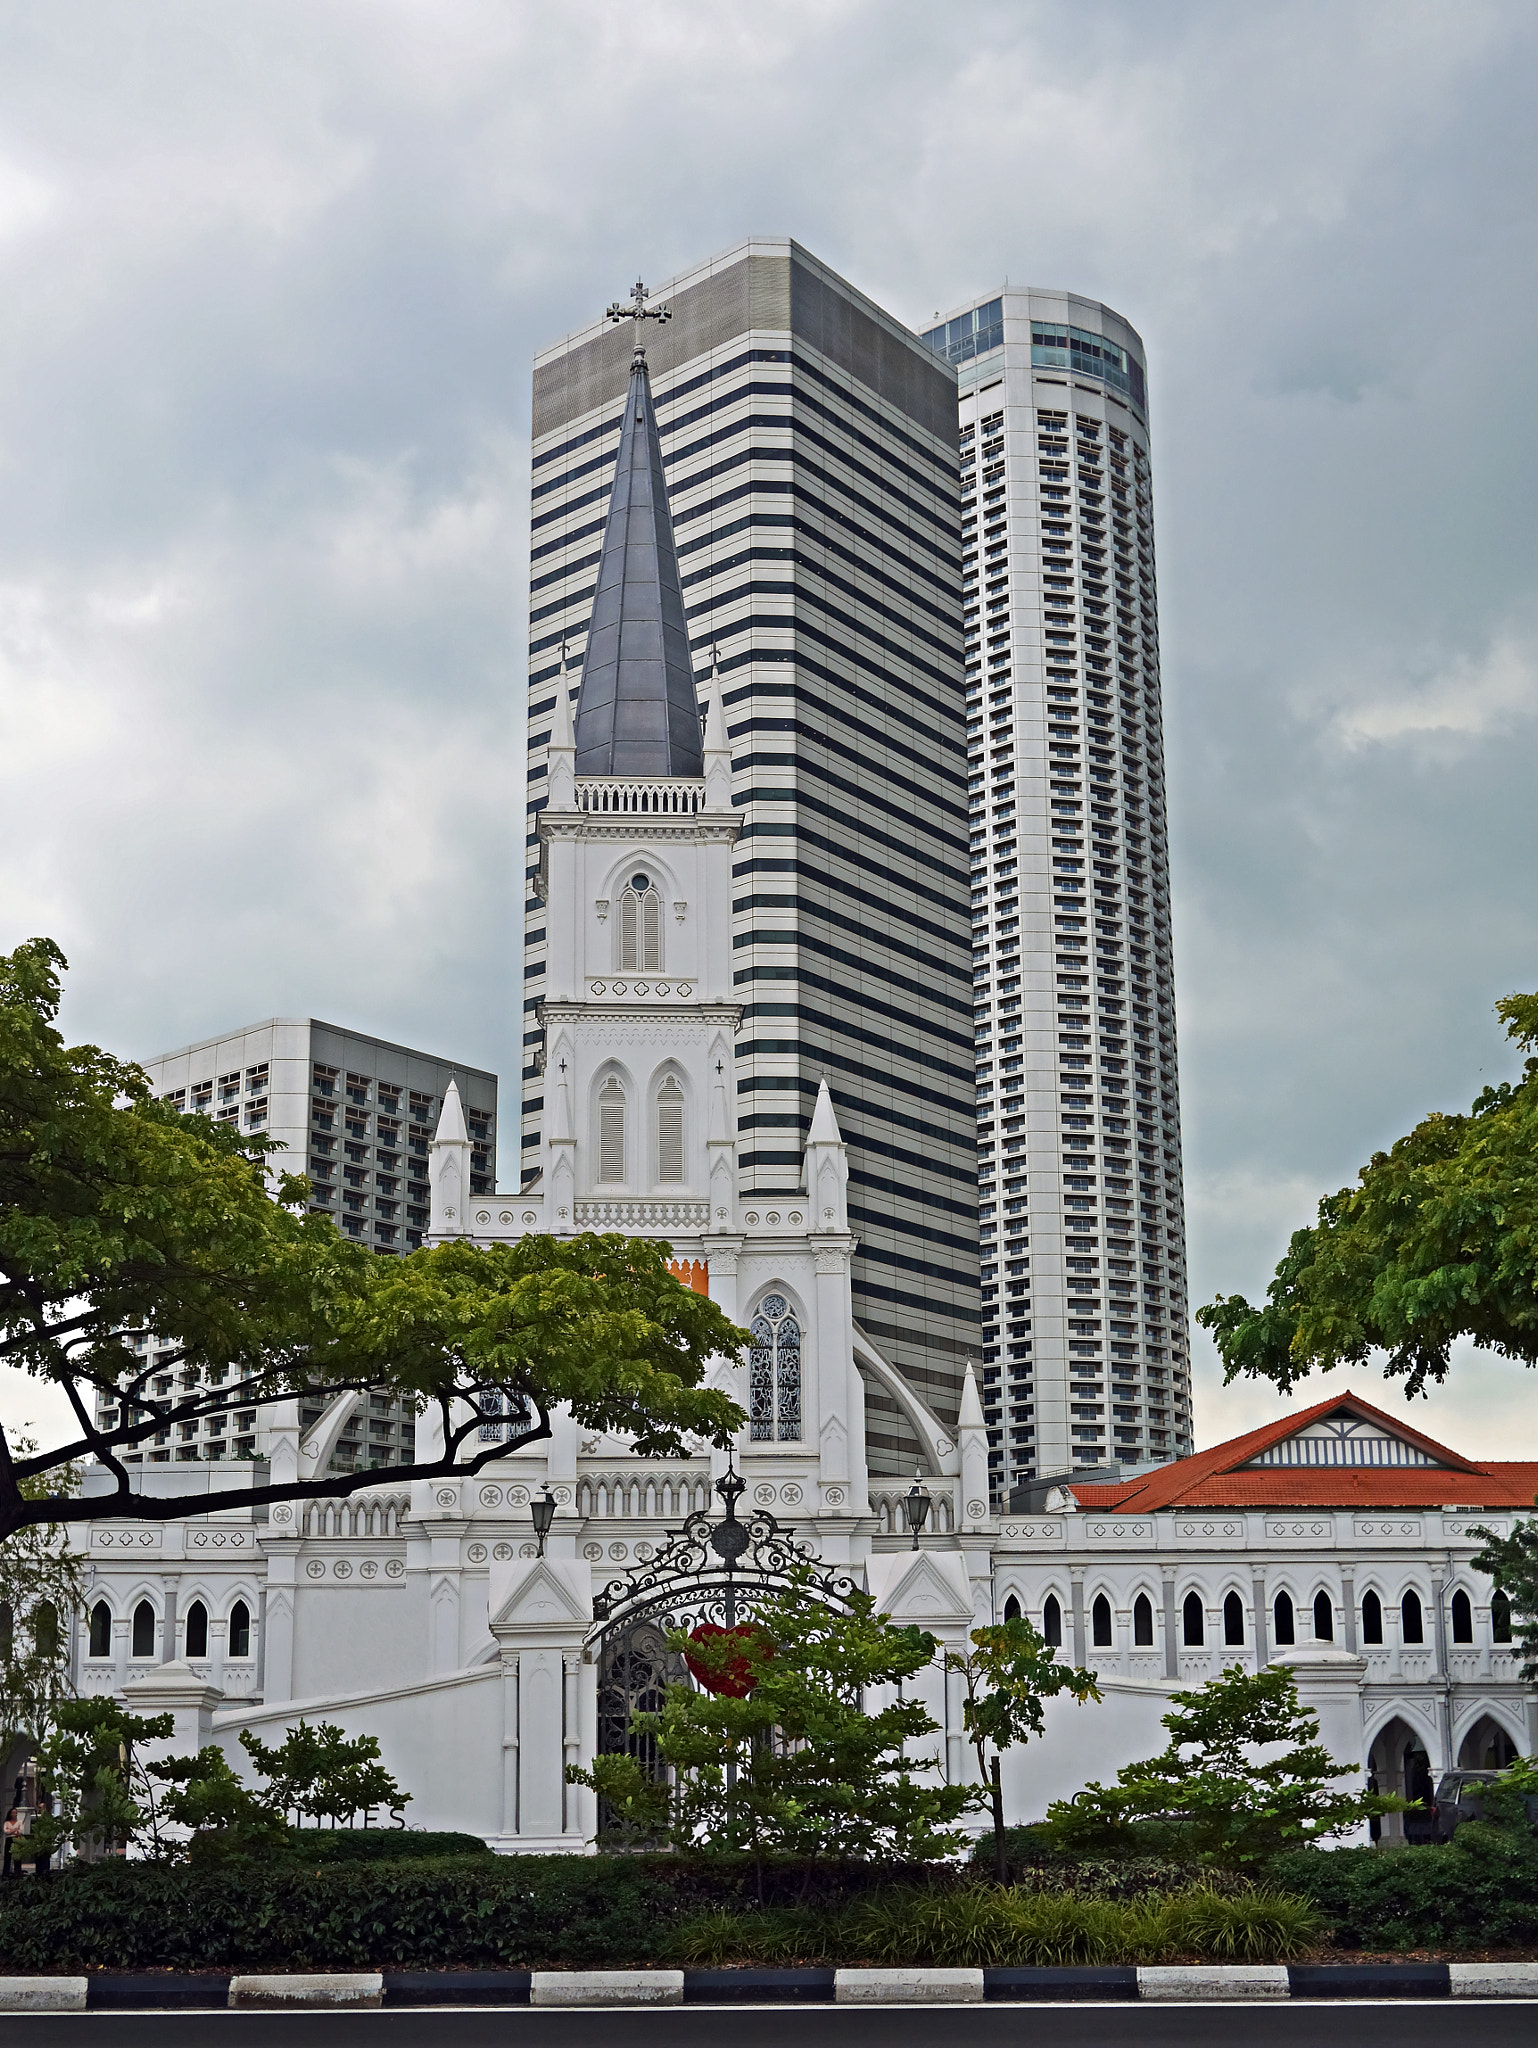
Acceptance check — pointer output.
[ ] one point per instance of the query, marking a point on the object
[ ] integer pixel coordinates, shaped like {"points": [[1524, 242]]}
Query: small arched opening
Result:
{"points": [[1283, 1623], [1100, 1623], [1462, 1617], [1233, 1621], [1372, 1618], [143, 1637], [1324, 1618], [240, 1630], [1142, 1623], [1052, 1622], [1486, 1747], [101, 1630], [1412, 1620], [1193, 1619], [197, 1630]]}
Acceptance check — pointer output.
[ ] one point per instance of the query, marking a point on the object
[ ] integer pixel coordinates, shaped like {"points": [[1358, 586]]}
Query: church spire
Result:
{"points": [[636, 711]]}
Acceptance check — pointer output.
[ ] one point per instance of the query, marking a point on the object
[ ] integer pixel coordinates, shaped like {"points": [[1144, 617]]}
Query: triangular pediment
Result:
{"points": [[921, 1586], [1349, 1435], [540, 1594]]}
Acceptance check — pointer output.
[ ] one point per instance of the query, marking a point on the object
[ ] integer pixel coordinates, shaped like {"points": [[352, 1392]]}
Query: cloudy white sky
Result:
{"points": [[270, 280]]}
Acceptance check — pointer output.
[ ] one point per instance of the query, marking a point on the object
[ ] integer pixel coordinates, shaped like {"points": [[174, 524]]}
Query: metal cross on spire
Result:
{"points": [[639, 310]]}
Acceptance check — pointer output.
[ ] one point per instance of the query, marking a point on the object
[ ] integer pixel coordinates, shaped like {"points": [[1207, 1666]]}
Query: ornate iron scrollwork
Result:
{"points": [[707, 1569]]}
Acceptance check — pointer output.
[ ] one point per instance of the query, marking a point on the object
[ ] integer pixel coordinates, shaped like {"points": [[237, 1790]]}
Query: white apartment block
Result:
{"points": [[1085, 1344], [357, 1115]]}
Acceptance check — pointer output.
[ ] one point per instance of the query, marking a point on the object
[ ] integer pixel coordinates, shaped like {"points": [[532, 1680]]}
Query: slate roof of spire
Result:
{"points": [[637, 713]]}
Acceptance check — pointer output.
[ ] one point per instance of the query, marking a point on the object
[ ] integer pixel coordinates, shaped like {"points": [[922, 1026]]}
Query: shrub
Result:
{"points": [[982, 1927], [1479, 1890], [382, 1845]]}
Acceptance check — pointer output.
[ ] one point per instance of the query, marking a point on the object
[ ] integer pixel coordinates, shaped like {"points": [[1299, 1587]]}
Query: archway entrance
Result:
{"points": [[709, 1572], [1398, 1762], [1486, 1747]]}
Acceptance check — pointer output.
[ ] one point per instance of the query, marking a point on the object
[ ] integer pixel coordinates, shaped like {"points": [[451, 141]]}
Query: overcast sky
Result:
{"points": [[270, 281]]}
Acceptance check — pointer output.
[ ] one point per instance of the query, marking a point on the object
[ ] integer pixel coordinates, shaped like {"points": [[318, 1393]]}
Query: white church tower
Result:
{"points": [[640, 1022]]}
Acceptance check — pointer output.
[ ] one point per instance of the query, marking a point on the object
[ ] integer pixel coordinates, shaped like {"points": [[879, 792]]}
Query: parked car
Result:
{"points": [[1457, 1800]]}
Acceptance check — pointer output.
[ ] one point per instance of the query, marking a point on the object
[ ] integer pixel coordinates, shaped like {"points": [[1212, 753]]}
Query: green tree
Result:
{"points": [[806, 1765], [321, 1775], [117, 1213], [1009, 1671], [92, 1789], [225, 1817], [1218, 1793], [1512, 1561], [41, 1581], [1439, 1240]]}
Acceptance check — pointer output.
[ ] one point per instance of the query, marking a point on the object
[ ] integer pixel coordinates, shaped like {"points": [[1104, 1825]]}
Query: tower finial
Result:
{"points": [[638, 311]]}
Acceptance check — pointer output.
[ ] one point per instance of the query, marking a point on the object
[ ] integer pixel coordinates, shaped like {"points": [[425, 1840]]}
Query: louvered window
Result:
{"points": [[640, 927], [670, 1131], [611, 1131]]}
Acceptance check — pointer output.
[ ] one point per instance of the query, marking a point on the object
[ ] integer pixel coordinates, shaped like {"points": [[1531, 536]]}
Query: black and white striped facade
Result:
{"points": [[809, 445]]}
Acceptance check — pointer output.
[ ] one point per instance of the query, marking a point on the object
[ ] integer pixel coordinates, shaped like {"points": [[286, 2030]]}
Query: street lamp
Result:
{"points": [[916, 1507], [543, 1510]]}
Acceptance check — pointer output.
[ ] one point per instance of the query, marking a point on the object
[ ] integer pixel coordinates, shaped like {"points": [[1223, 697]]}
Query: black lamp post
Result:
{"points": [[916, 1507], [542, 1508]]}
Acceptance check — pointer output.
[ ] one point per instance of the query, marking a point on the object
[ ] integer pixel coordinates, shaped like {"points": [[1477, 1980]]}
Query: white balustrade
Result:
{"points": [[672, 798]]}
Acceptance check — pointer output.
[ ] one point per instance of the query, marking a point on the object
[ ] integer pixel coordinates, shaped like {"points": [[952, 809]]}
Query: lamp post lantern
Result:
{"points": [[542, 1508], [916, 1507]]}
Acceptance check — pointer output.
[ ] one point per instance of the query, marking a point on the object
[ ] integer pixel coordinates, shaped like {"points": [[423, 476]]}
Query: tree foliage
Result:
{"points": [[91, 1784], [808, 1764], [1439, 1240], [117, 1213], [41, 1592], [1512, 1561], [1009, 1672], [319, 1774], [1220, 1792]]}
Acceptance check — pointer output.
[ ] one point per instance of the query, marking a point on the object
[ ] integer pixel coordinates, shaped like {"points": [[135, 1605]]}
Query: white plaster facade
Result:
{"points": [[427, 1619]]}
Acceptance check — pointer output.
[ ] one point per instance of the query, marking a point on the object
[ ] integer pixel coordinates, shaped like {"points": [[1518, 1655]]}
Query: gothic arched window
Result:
{"points": [[774, 1373], [45, 1629], [1372, 1618], [1463, 1618], [1142, 1622], [1282, 1619], [1100, 1623], [1012, 1608], [240, 1630], [670, 1130], [640, 926], [101, 1630], [144, 1630], [1233, 1621], [197, 1630], [1194, 1617], [1324, 1618], [1500, 1618], [1411, 1626], [1052, 1622], [611, 1131]]}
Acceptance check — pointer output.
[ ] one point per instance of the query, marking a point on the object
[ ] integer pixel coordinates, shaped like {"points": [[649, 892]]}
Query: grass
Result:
{"points": [[983, 1926]]}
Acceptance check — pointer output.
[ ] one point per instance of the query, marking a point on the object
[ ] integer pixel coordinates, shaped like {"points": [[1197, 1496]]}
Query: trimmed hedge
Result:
{"points": [[382, 1845], [511, 1912], [1478, 1891]]}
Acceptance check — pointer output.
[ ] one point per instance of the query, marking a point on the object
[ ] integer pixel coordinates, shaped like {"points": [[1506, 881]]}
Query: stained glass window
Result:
{"points": [[774, 1373]]}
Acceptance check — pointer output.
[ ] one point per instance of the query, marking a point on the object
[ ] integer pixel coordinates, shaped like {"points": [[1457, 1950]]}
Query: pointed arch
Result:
{"points": [[610, 1108], [1012, 1607], [668, 1111], [1372, 1617], [1142, 1623], [238, 1643], [1324, 1617], [142, 1643], [640, 924], [1500, 1617], [1193, 1622], [774, 1371], [1284, 1627], [1102, 1634], [1412, 1617], [100, 1642], [1233, 1621], [1052, 1622], [197, 1630], [1462, 1617]]}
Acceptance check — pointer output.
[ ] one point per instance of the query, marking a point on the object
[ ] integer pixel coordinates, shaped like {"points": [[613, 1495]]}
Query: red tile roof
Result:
{"points": [[1218, 1478]]}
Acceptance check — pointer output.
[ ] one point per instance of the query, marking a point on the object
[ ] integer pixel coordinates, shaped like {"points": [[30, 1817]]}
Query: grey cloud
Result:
{"points": [[270, 289]]}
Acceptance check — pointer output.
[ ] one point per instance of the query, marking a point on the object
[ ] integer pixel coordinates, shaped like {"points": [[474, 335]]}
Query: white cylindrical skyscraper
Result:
{"points": [[1086, 1355]]}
